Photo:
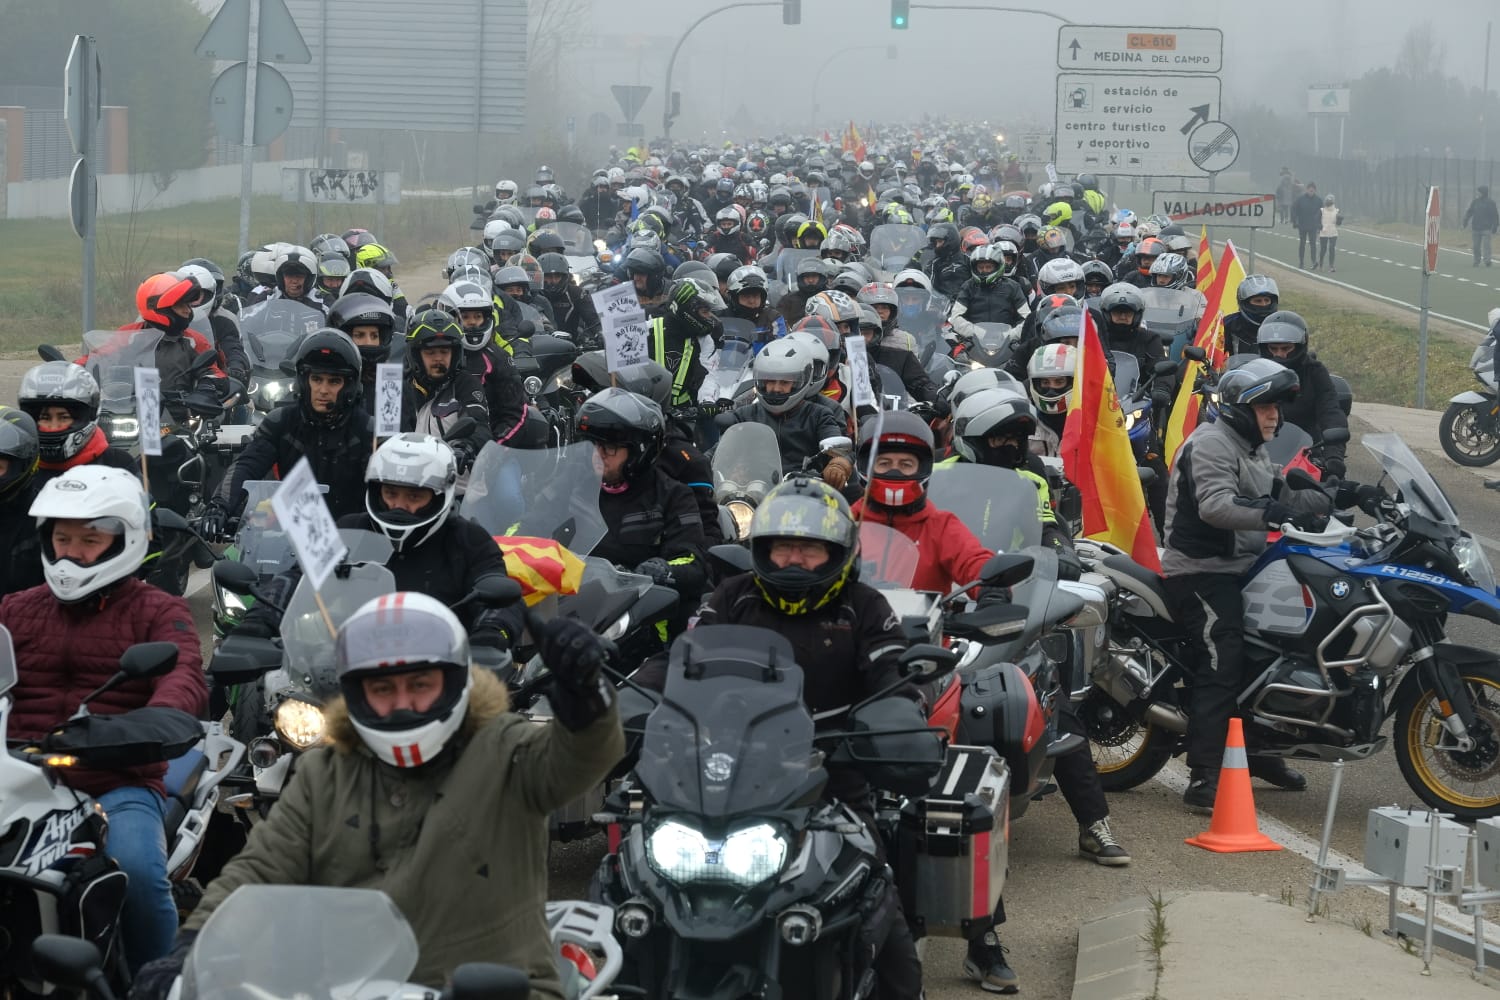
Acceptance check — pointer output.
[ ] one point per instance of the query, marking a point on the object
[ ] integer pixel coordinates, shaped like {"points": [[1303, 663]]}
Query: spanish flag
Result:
{"points": [[541, 566], [1186, 407], [852, 141], [1097, 456]]}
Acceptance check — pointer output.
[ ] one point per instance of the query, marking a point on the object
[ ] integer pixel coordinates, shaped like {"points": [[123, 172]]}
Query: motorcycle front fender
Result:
{"points": [[1470, 398]]}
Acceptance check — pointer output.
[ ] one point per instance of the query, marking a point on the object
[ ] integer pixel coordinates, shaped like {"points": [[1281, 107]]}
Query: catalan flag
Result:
{"points": [[541, 566], [1205, 272]]}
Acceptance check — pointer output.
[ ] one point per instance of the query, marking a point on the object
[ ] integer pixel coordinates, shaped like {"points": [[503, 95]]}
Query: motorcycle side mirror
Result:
{"points": [[235, 577], [926, 662], [735, 557], [1336, 435], [1146, 474], [480, 210], [834, 443], [1165, 368], [526, 329], [493, 589], [462, 428], [149, 659], [49, 353], [288, 367], [487, 981], [1006, 569], [1194, 353], [72, 963], [1298, 479]]}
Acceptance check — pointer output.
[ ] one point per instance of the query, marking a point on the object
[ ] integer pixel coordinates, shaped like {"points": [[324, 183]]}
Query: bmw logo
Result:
{"points": [[1339, 589]]}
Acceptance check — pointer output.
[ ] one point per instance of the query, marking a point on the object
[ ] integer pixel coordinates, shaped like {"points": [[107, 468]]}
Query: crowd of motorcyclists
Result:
{"points": [[771, 244]]}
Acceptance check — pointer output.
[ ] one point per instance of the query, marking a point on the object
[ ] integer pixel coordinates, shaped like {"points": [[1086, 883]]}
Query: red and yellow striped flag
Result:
{"points": [[1185, 408], [1205, 262], [541, 566]]}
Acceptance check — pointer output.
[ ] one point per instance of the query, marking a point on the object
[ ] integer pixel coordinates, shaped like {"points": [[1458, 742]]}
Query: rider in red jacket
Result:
{"points": [[69, 635]]}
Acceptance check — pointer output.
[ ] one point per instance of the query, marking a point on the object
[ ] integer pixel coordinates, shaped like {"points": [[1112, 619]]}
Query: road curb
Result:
{"points": [[1114, 960]]}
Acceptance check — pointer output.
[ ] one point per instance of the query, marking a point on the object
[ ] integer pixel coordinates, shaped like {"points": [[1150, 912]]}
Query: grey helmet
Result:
{"points": [[61, 383], [783, 360]]}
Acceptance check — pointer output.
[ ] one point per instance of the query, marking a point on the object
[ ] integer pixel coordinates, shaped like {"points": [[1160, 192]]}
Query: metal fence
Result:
{"points": [[1393, 190]]}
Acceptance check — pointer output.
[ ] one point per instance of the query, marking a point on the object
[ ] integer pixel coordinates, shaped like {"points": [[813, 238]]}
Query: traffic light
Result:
{"points": [[791, 11], [900, 11]]}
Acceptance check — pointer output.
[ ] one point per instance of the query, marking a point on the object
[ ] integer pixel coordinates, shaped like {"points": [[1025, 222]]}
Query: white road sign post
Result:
{"points": [[1114, 48], [1131, 125]]}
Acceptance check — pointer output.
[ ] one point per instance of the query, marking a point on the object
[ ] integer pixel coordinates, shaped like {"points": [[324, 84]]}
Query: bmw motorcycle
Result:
{"points": [[1344, 629]]}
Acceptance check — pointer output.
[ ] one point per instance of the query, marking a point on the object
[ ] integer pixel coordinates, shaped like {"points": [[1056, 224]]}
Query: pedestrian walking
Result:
{"points": [[1328, 234], [1482, 219], [1307, 216], [1284, 195]]}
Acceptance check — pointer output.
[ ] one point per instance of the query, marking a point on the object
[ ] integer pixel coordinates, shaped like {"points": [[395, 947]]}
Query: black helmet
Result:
{"points": [[644, 260], [18, 444], [945, 231], [723, 265], [331, 352], [621, 417], [1121, 295], [807, 510], [1259, 381], [1253, 285], [434, 328], [688, 267], [546, 241], [690, 295], [363, 309], [1283, 327], [213, 269]]}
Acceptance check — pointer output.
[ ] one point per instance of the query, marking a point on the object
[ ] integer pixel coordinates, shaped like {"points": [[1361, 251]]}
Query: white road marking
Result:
{"points": [[197, 580], [1174, 777]]}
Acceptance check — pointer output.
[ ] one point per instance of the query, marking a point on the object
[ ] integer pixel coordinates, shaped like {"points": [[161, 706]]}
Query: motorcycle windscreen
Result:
{"points": [[887, 558], [747, 462], [271, 330], [112, 356], [540, 493], [893, 245], [996, 504], [1411, 477], [292, 940], [306, 641], [1289, 440], [1170, 312], [730, 737]]}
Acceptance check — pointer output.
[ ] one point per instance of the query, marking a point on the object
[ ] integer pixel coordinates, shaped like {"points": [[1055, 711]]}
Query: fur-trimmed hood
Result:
{"points": [[488, 700]]}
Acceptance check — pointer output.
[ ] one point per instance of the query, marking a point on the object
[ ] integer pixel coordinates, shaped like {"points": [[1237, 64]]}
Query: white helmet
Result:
{"points": [[207, 287], [112, 501], [416, 460], [1052, 361], [396, 634], [1059, 271], [463, 295], [507, 191], [912, 275]]}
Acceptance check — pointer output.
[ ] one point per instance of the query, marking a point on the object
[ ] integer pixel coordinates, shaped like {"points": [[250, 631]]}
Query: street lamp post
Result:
{"points": [[666, 118]]}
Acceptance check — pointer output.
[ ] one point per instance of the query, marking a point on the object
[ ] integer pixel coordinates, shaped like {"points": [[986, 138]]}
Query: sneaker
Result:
{"points": [[986, 965], [1274, 770], [1199, 795], [1097, 843]]}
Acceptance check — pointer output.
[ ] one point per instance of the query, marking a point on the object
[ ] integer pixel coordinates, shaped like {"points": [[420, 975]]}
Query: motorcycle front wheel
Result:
{"points": [[1469, 434], [1465, 783], [1127, 751]]}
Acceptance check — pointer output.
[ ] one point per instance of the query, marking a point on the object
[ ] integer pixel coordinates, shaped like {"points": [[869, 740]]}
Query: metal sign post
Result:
{"points": [[81, 111], [1429, 265], [247, 147]]}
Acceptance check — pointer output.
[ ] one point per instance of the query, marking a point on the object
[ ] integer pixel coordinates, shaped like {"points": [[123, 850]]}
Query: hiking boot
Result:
{"points": [[1098, 844], [1199, 795], [986, 965], [1274, 770]]}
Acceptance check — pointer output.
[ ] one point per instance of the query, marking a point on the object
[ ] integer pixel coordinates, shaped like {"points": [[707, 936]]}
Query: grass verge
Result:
{"points": [[40, 297], [1378, 356]]}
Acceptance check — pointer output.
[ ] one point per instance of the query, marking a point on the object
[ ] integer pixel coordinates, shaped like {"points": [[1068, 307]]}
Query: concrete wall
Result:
{"points": [[119, 194]]}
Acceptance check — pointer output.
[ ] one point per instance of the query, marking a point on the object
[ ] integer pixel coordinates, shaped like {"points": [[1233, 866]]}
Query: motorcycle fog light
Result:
{"points": [[633, 920], [532, 385], [299, 723], [799, 925], [263, 752]]}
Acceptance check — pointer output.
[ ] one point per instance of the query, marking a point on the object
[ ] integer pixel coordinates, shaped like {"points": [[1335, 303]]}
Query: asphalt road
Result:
{"points": [[1390, 269]]}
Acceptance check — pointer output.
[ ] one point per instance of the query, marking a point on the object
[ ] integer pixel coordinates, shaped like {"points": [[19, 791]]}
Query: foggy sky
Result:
{"points": [[981, 65]]}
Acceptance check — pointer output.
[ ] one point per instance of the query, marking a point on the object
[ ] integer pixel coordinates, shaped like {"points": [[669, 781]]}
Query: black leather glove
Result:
{"points": [[213, 525], [1068, 565], [153, 981], [1307, 521], [1277, 514], [463, 455], [658, 570], [575, 656], [1335, 467], [1366, 498]]}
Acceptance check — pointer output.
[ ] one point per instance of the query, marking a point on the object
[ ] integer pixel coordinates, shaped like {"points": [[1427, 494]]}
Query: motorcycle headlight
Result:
{"points": [[747, 857], [532, 385], [125, 427], [232, 603], [975, 366], [1474, 563], [1129, 421], [617, 631], [742, 513], [299, 723]]}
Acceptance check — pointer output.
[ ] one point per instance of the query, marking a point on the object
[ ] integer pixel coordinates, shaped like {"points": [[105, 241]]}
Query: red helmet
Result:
{"points": [[157, 295]]}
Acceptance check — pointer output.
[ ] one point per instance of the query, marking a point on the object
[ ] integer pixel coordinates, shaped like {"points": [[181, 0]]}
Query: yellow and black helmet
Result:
{"points": [[808, 510]]}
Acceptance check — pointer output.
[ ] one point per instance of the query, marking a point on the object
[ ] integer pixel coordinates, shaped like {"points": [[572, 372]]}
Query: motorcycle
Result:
{"points": [[54, 874], [320, 945], [271, 332], [258, 543], [994, 346], [746, 465], [1469, 430], [1343, 629], [730, 873], [1172, 314]]}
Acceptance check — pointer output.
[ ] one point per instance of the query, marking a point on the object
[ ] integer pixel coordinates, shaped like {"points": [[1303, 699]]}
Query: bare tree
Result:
{"points": [[551, 26], [1422, 52]]}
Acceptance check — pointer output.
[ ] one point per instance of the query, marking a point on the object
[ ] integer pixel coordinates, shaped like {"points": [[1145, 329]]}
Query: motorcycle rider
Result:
{"points": [[988, 296], [163, 301], [1258, 297], [439, 391], [69, 634], [680, 339], [1122, 309], [505, 398], [812, 276], [943, 260], [296, 278], [654, 524], [804, 585], [466, 788], [645, 267], [1315, 408], [890, 350], [1136, 269], [571, 306], [211, 314], [19, 484], [599, 205], [747, 301], [327, 426], [1049, 380], [514, 280], [410, 492], [1223, 497], [784, 401], [63, 401], [370, 325]]}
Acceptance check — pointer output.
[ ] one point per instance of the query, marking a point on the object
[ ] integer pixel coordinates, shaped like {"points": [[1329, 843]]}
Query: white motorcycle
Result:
{"points": [[1470, 428]]}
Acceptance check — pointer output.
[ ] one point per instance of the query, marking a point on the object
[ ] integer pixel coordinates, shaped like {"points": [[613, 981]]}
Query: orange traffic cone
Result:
{"points": [[1233, 829]]}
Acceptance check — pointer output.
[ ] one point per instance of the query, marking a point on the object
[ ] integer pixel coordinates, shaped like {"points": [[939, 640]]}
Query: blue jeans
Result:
{"points": [[138, 844]]}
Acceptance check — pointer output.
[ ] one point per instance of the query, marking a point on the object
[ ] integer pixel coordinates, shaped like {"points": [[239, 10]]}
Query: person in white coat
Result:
{"points": [[1328, 234]]}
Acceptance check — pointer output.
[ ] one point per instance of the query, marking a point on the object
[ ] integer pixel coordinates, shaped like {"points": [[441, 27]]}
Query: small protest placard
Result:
{"points": [[148, 409], [388, 393], [303, 514], [859, 371], [626, 329]]}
